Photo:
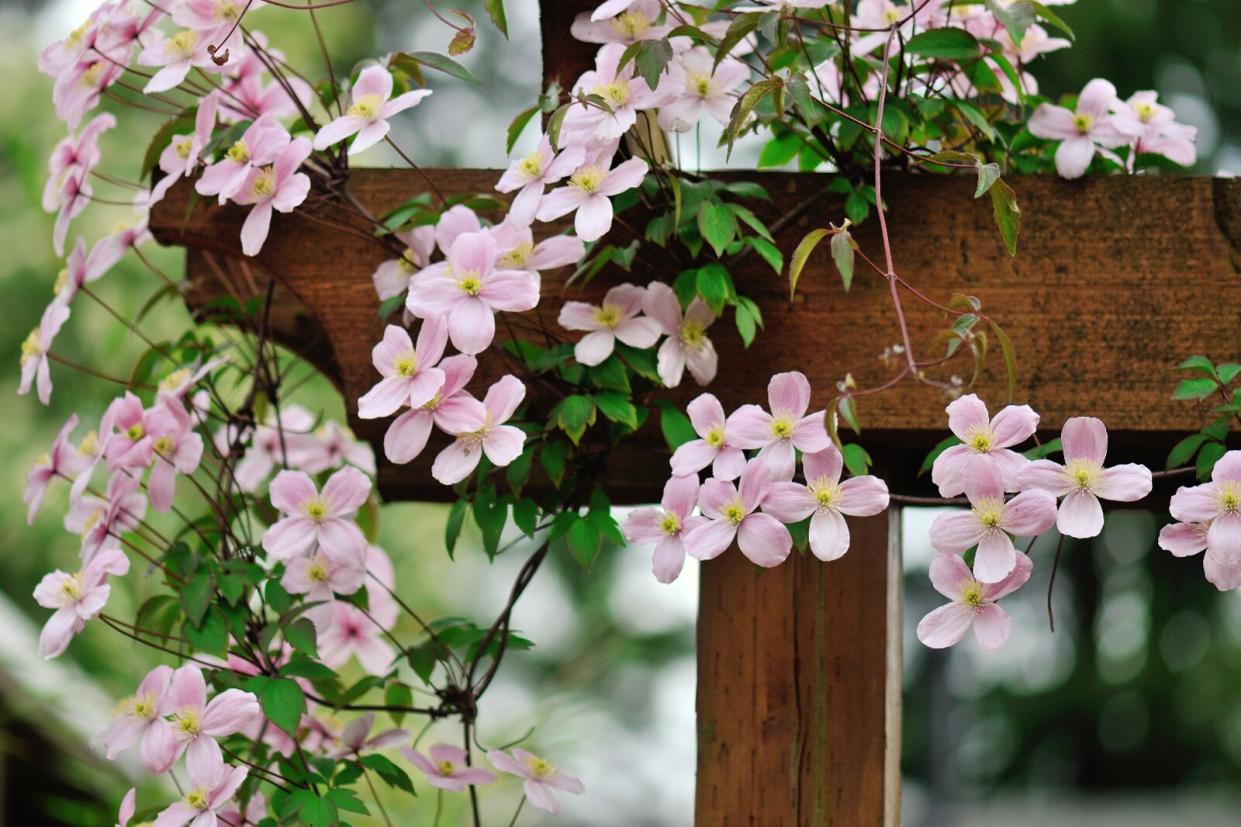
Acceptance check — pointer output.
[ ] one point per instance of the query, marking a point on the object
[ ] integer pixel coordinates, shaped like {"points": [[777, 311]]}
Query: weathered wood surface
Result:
{"points": [[1115, 280], [799, 687]]}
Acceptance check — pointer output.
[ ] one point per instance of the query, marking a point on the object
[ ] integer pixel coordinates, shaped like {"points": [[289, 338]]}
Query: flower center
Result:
{"points": [[988, 513], [825, 492], [406, 364], [700, 82], [532, 164], [71, 588], [197, 798], [670, 524], [226, 11], [445, 767], [135, 432], [1145, 111], [91, 76], [1082, 123], [180, 45], [517, 257], [175, 379], [183, 144], [316, 510], [44, 461], [540, 767], [980, 441], [715, 437], [239, 153], [264, 185], [90, 521], [587, 179], [187, 721], [89, 443], [615, 93], [163, 445], [143, 706], [406, 261], [692, 334], [1230, 496], [734, 513], [609, 315], [971, 596], [630, 24], [366, 107], [31, 347], [781, 427], [891, 16], [317, 571], [470, 283], [1083, 473]]}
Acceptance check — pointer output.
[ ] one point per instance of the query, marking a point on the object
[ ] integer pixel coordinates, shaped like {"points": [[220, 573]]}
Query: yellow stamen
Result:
{"points": [[670, 524], [181, 44], [609, 315], [32, 348], [734, 513], [631, 24], [366, 107], [406, 364], [316, 510], [587, 179], [1082, 123], [239, 153], [781, 427], [971, 596]]}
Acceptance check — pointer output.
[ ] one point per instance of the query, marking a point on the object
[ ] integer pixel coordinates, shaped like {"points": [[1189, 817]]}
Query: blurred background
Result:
{"points": [[1129, 714]]}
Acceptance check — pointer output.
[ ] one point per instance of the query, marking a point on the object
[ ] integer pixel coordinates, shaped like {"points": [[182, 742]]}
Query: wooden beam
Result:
{"points": [[799, 687]]}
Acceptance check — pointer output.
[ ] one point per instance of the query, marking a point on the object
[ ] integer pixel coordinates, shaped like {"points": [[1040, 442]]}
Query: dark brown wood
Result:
{"points": [[799, 687], [1115, 281]]}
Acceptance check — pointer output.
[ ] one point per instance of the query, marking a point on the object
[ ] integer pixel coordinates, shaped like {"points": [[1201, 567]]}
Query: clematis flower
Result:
{"points": [[369, 111], [181, 155], [1083, 480], [990, 522], [189, 724], [625, 92], [334, 446], [786, 428], [826, 500], [616, 318], [126, 236], [479, 429], [63, 460], [709, 87], [469, 290], [176, 54], [128, 805], [260, 145], [1217, 504], [74, 195], [587, 195], [357, 739], [80, 269], [176, 448], [410, 375], [256, 807], [284, 438], [76, 598], [447, 767], [35, 347], [455, 221], [541, 777], [212, 786], [408, 433], [611, 8], [637, 22], [321, 576], [278, 186], [74, 156], [529, 175], [1186, 539], [1154, 128], [687, 344], [137, 716], [78, 87], [392, 277], [519, 252], [208, 15], [350, 632], [973, 603], [713, 447], [732, 514], [666, 526], [983, 443], [1080, 132], [130, 447], [311, 518], [102, 522]]}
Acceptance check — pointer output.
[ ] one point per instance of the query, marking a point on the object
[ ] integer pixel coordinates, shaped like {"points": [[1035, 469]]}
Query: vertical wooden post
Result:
{"points": [[799, 687]]}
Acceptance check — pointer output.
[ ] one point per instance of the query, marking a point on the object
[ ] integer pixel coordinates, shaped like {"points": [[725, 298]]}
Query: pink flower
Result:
{"points": [[256, 807], [410, 375], [76, 598], [130, 448], [708, 87], [321, 576], [447, 768], [529, 175], [973, 603], [368, 112], [1154, 128], [74, 156], [611, 8], [63, 460], [519, 252], [260, 145], [990, 521], [101, 523], [391, 278], [278, 186], [354, 740], [408, 433], [312, 518], [616, 318], [825, 500], [176, 55], [454, 222], [128, 805], [468, 290], [176, 447], [666, 526], [78, 87], [283, 438], [628, 26], [625, 93], [479, 428], [348, 631], [81, 269], [212, 785], [137, 716], [541, 777], [1185, 539], [189, 724], [732, 513], [1217, 504], [713, 447], [333, 446], [126, 236], [588, 193], [1083, 480], [181, 155], [687, 344], [985, 443], [1080, 132], [35, 347], [786, 428], [207, 15]]}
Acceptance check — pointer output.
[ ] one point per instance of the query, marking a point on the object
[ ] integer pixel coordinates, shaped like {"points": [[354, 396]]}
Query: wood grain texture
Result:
{"points": [[1116, 279], [799, 687]]}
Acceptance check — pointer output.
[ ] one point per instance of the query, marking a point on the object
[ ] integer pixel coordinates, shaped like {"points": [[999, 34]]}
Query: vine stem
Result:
{"points": [[517, 812]]}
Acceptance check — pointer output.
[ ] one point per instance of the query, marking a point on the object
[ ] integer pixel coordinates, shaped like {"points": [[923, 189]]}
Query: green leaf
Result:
{"points": [[737, 30], [745, 105], [211, 635], [300, 667], [1054, 19], [398, 694], [988, 174], [944, 44], [617, 407], [391, 774], [346, 799], [1227, 372], [574, 415], [1044, 450], [583, 540], [1016, 17], [301, 636], [1007, 214], [848, 412], [800, 255], [158, 616], [779, 150], [196, 596], [433, 60], [555, 122], [1183, 451], [491, 513], [1199, 363], [751, 220], [609, 375], [652, 59], [1010, 358], [718, 226], [769, 252], [519, 124], [313, 810], [552, 458], [856, 459], [525, 516], [712, 285], [283, 703], [677, 428], [976, 118], [1199, 388], [842, 255], [456, 519], [495, 10], [1207, 457]]}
